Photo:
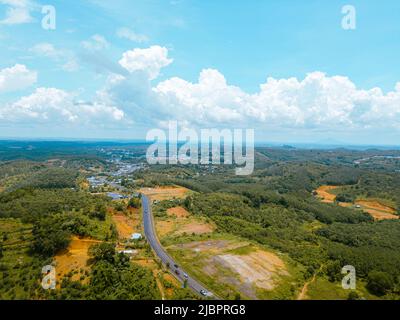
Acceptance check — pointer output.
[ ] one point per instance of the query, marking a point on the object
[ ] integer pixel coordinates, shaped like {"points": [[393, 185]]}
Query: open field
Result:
{"points": [[178, 212], [374, 207], [165, 193], [377, 210], [180, 222], [74, 259], [127, 223], [322, 289], [258, 267], [232, 267], [323, 192], [124, 226]]}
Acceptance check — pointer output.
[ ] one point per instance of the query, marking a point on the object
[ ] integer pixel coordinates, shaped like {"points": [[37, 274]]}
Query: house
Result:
{"points": [[136, 236], [115, 196], [128, 252]]}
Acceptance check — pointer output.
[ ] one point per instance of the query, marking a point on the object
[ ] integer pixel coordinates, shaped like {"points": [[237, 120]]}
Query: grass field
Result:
{"points": [[322, 289]]}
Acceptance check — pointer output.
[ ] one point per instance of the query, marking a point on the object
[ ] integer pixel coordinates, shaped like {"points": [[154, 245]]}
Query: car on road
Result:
{"points": [[177, 272], [204, 292], [185, 276], [176, 266]]}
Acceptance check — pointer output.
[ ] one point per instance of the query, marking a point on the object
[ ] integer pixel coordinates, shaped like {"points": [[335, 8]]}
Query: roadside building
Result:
{"points": [[136, 236]]}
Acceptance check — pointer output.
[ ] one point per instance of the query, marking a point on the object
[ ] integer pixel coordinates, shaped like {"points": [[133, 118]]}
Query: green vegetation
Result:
{"points": [[42, 205]]}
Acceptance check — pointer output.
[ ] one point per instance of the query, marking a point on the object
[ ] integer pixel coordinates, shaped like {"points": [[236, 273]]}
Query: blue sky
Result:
{"points": [[75, 84]]}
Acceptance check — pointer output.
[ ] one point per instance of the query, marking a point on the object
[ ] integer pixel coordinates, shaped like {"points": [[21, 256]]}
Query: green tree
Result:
{"points": [[134, 203], [102, 252], [353, 295], [379, 283]]}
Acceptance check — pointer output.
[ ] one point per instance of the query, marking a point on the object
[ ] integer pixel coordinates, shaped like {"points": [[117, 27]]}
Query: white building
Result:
{"points": [[136, 236]]}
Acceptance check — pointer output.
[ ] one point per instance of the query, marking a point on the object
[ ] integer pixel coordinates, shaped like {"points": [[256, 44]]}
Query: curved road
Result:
{"points": [[151, 236]]}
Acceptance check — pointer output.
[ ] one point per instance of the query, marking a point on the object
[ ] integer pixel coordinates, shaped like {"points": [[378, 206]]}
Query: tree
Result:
{"points": [[379, 283], [353, 295], [134, 203], [49, 237], [102, 252], [99, 213]]}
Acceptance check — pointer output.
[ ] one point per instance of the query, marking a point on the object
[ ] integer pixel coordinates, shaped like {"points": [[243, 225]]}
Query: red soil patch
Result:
{"points": [[325, 195], [74, 258], [377, 210], [165, 193], [124, 226]]}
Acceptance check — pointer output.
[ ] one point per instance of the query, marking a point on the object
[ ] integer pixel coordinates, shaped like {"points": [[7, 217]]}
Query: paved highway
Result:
{"points": [[151, 236]]}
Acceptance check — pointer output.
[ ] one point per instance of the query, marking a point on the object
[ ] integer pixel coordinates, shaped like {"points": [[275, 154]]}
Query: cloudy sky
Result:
{"points": [[115, 69]]}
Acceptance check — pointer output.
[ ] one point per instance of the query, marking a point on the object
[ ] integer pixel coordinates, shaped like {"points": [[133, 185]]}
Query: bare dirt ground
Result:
{"points": [[195, 227], [259, 268], [124, 225], [164, 227], [182, 222], [325, 195], [212, 246], [377, 210], [165, 193], [74, 258], [241, 265], [178, 212]]}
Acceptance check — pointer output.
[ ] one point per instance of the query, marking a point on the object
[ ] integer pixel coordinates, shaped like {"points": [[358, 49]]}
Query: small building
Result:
{"points": [[128, 252], [115, 196], [136, 236]]}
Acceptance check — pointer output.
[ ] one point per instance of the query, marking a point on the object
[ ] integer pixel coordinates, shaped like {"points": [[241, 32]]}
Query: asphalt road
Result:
{"points": [[151, 237]]}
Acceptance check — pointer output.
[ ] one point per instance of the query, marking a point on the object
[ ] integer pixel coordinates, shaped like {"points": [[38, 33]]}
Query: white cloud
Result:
{"points": [[96, 43], [18, 12], [318, 101], [150, 60], [55, 106], [126, 33], [16, 78], [67, 59]]}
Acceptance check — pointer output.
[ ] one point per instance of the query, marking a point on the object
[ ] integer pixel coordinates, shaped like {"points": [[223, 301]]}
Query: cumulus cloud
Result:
{"points": [[16, 78], [316, 101], [150, 60], [126, 33], [18, 12], [55, 106]]}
